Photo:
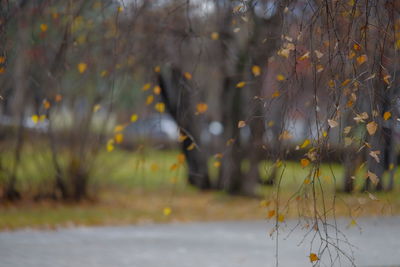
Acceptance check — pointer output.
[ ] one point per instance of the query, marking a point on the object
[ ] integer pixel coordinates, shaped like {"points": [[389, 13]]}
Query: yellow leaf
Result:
{"points": [[324, 133], [271, 214], [120, 9], [256, 70], [305, 144], [146, 86], [167, 211], [240, 84], [43, 27], [307, 181], [275, 94], [347, 130], [134, 117], [2, 60], [356, 47], [217, 164], [280, 77], [188, 76], [110, 145], [119, 138], [160, 107], [191, 147], [2, 70], [230, 142], [149, 99], [375, 154], [304, 163], [181, 158], [96, 108], [284, 52], [82, 67], [304, 56], [387, 115], [346, 82], [372, 197], [214, 36], [319, 68], [157, 69], [361, 59], [372, 127], [352, 223], [281, 218], [157, 90], [271, 123], [201, 108], [331, 83], [386, 79], [361, 117], [241, 124], [35, 119], [397, 45], [313, 257], [119, 128], [182, 137]]}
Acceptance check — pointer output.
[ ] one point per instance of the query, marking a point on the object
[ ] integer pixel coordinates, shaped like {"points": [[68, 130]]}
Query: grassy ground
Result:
{"points": [[145, 188]]}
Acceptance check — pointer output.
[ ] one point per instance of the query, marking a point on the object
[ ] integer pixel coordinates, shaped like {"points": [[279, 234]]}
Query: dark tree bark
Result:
{"points": [[179, 102]]}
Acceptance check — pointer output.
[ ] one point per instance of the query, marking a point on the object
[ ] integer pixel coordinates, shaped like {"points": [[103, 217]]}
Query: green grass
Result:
{"points": [[133, 187]]}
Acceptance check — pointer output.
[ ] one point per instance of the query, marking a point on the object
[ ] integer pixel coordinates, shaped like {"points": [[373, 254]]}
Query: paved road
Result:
{"points": [[230, 244]]}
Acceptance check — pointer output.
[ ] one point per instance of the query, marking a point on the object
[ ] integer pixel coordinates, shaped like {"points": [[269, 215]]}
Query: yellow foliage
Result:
{"points": [[201, 107], [304, 163], [256, 70], [43, 27], [82, 67], [149, 99], [134, 117], [160, 107], [240, 84]]}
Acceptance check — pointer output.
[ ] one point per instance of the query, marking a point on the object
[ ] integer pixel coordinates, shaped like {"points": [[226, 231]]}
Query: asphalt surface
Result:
{"points": [[231, 244]]}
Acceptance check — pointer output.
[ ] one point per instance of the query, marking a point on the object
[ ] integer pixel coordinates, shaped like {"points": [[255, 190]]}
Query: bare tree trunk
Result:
{"points": [[178, 101]]}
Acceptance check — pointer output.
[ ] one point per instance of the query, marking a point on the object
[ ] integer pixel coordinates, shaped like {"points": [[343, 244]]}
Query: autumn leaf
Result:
{"points": [[82, 67], [110, 145], [307, 181], [256, 70], [304, 56], [43, 27], [96, 108], [271, 214], [333, 123], [188, 76], [241, 124], [191, 147], [181, 158], [387, 115], [149, 99], [313, 257], [318, 54], [134, 117], [157, 69], [304, 163], [356, 47], [58, 98], [372, 176], [361, 117], [281, 218], [119, 128], [347, 130], [160, 107], [280, 77], [361, 59], [182, 137], [146, 86], [119, 138], [154, 167], [35, 119], [275, 94], [375, 155], [386, 79], [157, 90], [305, 144], [46, 104], [372, 197], [240, 84], [201, 107], [217, 164], [214, 36], [372, 127], [167, 211]]}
